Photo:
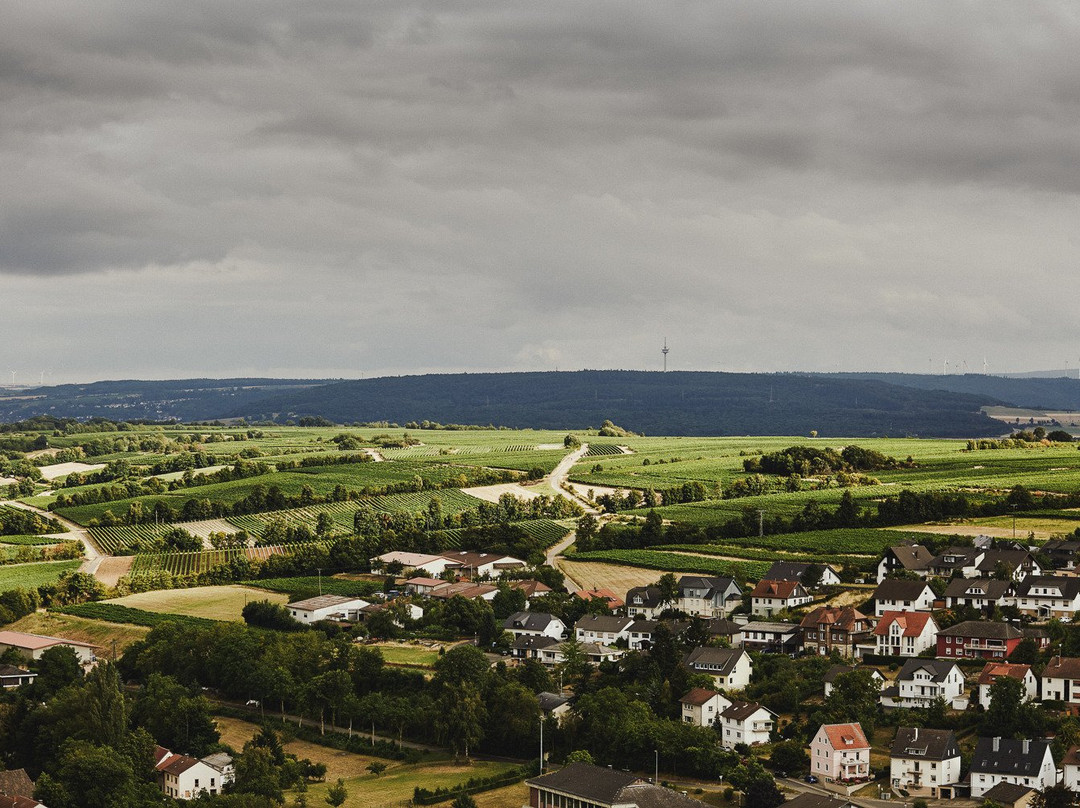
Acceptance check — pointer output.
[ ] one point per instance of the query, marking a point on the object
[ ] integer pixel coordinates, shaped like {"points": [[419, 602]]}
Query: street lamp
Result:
{"points": [[656, 777]]}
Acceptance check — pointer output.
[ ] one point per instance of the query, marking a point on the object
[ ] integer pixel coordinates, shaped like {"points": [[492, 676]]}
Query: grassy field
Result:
{"points": [[404, 654], [31, 576], [77, 628], [392, 788], [211, 602]]}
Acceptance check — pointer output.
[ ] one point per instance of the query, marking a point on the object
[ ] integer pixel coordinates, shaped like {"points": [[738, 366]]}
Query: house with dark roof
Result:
{"points": [[770, 597], [707, 596], [983, 594], [746, 722], [646, 602], [640, 632], [730, 668], [925, 762], [912, 558], [603, 628], [837, 670], [1008, 795], [526, 647], [1060, 680], [12, 677], [1070, 768], [901, 595], [962, 561], [535, 624], [553, 704], [1014, 564], [721, 627], [840, 753], [701, 706], [1047, 597], [905, 633], [1007, 760], [583, 785], [802, 571], [993, 671], [770, 638], [978, 639], [1063, 554], [921, 682], [842, 629]]}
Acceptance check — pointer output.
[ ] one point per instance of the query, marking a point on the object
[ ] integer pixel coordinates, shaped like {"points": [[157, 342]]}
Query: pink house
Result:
{"points": [[840, 753]]}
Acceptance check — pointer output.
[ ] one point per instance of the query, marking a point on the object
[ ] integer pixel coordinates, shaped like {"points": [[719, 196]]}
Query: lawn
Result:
{"points": [[406, 654], [211, 602]]}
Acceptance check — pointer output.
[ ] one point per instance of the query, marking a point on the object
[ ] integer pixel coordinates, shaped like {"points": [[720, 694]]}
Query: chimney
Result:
{"points": [[997, 744], [1027, 745], [916, 736]]}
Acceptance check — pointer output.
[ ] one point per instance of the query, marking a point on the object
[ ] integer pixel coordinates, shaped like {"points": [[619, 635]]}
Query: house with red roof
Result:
{"points": [[771, 597], [993, 671], [905, 633], [612, 600], [32, 646], [701, 706], [841, 629], [185, 778], [839, 753]]}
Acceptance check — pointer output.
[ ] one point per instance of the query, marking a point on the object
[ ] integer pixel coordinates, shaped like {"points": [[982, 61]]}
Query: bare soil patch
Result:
{"points": [[204, 528], [491, 493], [58, 470], [590, 575], [111, 569]]}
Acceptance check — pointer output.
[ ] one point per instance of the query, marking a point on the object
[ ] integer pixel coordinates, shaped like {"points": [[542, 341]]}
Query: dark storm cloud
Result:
{"points": [[472, 184]]}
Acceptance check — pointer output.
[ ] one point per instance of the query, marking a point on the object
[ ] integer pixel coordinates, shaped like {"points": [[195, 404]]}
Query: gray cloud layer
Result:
{"points": [[336, 188]]}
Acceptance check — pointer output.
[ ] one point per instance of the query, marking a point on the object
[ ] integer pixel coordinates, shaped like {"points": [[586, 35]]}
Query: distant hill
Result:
{"points": [[182, 399], [1031, 392], [674, 403]]}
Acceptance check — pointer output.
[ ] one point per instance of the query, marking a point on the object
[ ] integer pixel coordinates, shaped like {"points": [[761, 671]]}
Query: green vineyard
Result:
{"points": [[193, 563], [117, 538], [603, 449]]}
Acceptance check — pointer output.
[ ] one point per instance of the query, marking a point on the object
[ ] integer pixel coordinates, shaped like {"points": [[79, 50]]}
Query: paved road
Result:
{"points": [[561, 472]]}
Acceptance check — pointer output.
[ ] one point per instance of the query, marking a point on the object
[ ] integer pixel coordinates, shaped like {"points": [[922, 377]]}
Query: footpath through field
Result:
{"points": [[557, 480]]}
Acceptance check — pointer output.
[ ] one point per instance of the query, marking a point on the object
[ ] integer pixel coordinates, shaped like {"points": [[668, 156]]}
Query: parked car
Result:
{"points": [[810, 778]]}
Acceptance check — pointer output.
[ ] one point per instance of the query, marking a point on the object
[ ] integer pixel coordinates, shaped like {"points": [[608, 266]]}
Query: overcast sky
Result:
{"points": [[346, 189]]}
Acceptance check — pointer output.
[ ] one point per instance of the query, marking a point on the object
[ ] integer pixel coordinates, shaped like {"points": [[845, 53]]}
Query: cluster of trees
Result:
{"points": [[691, 491], [18, 522], [1022, 439], [811, 461]]}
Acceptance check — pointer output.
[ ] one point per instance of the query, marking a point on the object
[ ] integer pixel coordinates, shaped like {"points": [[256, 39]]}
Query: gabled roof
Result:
{"points": [[844, 617], [1062, 668], [529, 621], [993, 671], [912, 556], [177, 764], [699, 696], [595, 784], [524, 642], [723, 627], [603, 623], [551, 701], [1010, 558], [613, 600], [938, 669], [839, 670], [983, 629], [768, 588], [421, 581], [16, 782], [913, 623], [770, 628], [900, 589], [845, 736], [1072, 757], [465, 589], [1009, 758], [469, 559], [35, 642], [11, 671], [720, 660], [647, 596], [990, 588], [742, 710], [19, 801], [530, 587], [712, 586], [1007, 793], [1070, 587], [925, 744]]}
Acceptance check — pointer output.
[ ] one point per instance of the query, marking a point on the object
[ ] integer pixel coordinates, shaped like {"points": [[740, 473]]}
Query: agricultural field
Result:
{"points": [[32, 541], [193, 563], [117, 538], [676, 562], [31, 576], [420, 656], [868, 542], [308, 585], [211, 602], [115, 613], [546, 531]]}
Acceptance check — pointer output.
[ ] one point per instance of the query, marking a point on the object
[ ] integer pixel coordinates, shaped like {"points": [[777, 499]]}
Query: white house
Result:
{"points": [[1070, 765], [645, 602], [801, 571], [701, 706], [770, 597], [1060, 680], [905, 633], [840, 753], [32, 646], [913, 558], [1005, 760], [837, 670], [899, 595], [1047, 597], [535, 624], [327, 607], [184, 778], [923, 681], [706, 596], [925, 762], [746, 722], [602, 628], [977, 593], [993, 671], [730, 668], [480, 565]]}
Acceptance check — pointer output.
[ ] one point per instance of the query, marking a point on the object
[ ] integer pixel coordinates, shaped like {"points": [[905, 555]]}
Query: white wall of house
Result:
{"points": [[755, 729], [703, 715], [1047, 776], [914, 774]]}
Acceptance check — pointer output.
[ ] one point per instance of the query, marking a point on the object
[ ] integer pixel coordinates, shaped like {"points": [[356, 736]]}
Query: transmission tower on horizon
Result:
{"points": [[664, 351]]}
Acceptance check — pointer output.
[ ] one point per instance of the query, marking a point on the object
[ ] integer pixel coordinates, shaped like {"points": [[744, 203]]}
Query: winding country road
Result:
{"points": [[93, 553]]}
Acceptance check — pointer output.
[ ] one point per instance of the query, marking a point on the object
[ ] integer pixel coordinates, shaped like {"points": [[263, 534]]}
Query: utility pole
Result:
{"points": [[541, 745], [319, 570], [663, 350]]}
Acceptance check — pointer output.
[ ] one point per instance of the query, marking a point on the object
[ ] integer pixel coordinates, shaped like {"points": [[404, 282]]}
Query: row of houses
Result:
{"points": [[1039, 597]]}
